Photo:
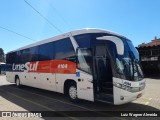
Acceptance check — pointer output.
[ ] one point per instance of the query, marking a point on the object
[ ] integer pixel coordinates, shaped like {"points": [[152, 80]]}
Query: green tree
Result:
{"points": [[2, 55]]}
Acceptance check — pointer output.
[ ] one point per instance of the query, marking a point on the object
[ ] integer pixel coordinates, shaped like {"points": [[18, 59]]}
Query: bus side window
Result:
{"points": [[84, 59], [46, 51], [64, 49]]}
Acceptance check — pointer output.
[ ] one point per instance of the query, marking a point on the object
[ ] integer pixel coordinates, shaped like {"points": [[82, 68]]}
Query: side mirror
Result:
{"points": [[118, 42]]}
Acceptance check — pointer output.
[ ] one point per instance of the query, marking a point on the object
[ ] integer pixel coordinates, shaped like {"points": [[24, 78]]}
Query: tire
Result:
{"points": [[17, 81], [72, 92]]}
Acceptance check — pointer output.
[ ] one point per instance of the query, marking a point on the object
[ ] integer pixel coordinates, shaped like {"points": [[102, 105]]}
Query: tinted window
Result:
{"points": [[25, 55], [29, 54], [64, 49], [11, 58], [83, 40], [88, 40], [84, 60], [33, 56], [46, 51], [18, 57]]}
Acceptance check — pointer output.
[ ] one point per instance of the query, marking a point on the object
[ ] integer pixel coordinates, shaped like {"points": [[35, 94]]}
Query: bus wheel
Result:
{"points": [[17, 82], [72, 92]]}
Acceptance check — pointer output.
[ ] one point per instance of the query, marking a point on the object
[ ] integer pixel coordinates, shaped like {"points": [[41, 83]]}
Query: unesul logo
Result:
{"points": [[29, 66]]}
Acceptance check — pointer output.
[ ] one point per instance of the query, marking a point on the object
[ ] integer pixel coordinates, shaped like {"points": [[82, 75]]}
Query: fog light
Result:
{"points": [[121, 97]]}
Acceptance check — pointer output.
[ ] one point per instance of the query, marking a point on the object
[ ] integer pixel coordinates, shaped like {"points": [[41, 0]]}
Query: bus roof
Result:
{"points": [[73, 33]]}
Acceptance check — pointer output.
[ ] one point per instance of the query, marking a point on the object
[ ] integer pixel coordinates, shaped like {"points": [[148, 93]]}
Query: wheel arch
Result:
{"points": [[16, 76], [66, 85]]}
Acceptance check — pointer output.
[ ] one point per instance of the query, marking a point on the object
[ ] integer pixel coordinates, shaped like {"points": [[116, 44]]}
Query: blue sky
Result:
{"points": [[136, 19]]}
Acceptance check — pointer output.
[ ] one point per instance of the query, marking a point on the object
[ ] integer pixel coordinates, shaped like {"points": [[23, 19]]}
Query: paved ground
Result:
{"points": [[32, 99]]}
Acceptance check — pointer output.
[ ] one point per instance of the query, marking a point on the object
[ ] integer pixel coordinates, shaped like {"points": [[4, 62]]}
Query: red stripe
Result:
{"points": [[55, 66]]}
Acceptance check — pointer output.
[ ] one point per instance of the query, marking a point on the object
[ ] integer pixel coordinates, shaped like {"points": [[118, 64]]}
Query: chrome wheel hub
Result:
{"points": [[73, 92]]}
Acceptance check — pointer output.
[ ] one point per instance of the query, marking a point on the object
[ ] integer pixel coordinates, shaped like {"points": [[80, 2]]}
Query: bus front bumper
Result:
{"points": [[122, 96]]}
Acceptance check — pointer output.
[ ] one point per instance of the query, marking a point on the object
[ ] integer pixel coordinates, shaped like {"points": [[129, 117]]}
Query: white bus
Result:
{"points": [[89, 64]]}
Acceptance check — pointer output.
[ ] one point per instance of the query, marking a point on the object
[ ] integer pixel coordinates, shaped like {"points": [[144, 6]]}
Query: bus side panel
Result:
{"points": [[24, 78], [10, 76], [85, 86], [44, 81], [47, 81], [33, 79]]}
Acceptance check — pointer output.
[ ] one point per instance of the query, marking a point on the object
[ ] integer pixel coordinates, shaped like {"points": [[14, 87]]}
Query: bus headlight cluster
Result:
{"points": [[127, 88]]}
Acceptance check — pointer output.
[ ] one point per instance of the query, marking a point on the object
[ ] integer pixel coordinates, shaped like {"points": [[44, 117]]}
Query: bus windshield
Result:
{"points": [[125, 66], [128, 65]]}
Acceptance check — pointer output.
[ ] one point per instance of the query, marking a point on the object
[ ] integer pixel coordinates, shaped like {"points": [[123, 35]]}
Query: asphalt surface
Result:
{"points": [[30, 99]]}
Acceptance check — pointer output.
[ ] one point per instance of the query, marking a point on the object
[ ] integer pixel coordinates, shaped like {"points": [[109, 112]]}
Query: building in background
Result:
{"points": [[150, 56]]}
